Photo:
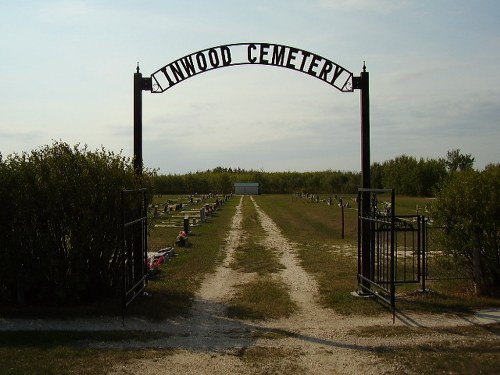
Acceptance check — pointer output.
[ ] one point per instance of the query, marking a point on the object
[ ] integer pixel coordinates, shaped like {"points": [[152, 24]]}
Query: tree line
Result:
{"points": [[406, 174]]}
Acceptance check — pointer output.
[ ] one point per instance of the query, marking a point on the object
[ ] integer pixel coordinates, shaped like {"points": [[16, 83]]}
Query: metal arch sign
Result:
{"points": [[271, 55], [251, 54]]}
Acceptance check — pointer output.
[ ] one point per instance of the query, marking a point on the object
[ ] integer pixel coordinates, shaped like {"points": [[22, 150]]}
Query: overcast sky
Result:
{"points": [[66, 73]]}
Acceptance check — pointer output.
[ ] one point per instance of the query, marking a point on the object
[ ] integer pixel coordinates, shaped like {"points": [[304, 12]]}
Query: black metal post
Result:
{"points": [[365, 129], [343, 224], [424, 252], [393, 255], [138, 86], [122, 265], [366, 253]]}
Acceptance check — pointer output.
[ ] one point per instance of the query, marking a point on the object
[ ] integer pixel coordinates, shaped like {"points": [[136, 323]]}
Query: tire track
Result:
{"points": [[303, 288]]}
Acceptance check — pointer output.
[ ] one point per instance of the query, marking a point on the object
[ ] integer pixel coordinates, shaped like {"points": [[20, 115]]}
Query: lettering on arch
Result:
{"points": [[250, 54]]}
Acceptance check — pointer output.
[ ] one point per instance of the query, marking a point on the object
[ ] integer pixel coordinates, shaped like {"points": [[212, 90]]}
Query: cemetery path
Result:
{"points": [[314, 340]]}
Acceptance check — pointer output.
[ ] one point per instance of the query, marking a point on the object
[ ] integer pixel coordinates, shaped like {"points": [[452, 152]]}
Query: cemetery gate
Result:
{"points": [[134, 245], [397, 246], [269, 54]]}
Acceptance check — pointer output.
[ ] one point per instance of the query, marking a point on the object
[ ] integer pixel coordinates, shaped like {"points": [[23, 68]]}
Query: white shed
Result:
{"points": [[246, 188]]}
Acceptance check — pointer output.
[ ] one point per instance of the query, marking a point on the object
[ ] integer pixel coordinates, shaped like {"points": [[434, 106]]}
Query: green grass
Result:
{"points": [[47, 353], [263, 298], [445, 298], [446, 358], [251, 255], [408, 205], [316, 224], [475, 351], [266, 360], [472, 331]]}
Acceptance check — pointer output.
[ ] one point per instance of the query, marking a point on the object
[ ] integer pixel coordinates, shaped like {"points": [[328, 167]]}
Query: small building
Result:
{"points": [[246, 188]]}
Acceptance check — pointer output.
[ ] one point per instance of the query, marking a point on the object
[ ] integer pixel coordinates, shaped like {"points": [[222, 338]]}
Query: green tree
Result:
{"points": [[376, 175], [430, 173], [225, 184], [409, 176], [468, 207], [402, 175], [456, 161]]}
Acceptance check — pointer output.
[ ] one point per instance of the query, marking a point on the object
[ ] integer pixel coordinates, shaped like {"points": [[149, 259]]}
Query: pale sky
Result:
{"points": [[66, 73]]}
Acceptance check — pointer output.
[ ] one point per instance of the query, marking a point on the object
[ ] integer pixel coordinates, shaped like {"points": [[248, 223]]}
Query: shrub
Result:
{"points": [[60, 223], [468, 207]]}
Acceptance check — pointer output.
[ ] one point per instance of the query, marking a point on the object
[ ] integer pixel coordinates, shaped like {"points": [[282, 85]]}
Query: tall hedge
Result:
{"points": [[60, 232], [468, 207]]}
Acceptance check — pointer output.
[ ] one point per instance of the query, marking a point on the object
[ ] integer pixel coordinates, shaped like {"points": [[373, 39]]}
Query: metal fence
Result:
{"points": [[376, 246], [134, 245], [401, 249], [410, 248], [398, 249]]}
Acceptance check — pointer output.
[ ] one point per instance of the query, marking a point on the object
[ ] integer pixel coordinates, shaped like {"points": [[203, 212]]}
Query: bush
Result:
{"points": [[61, 223], [468, 207]]}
